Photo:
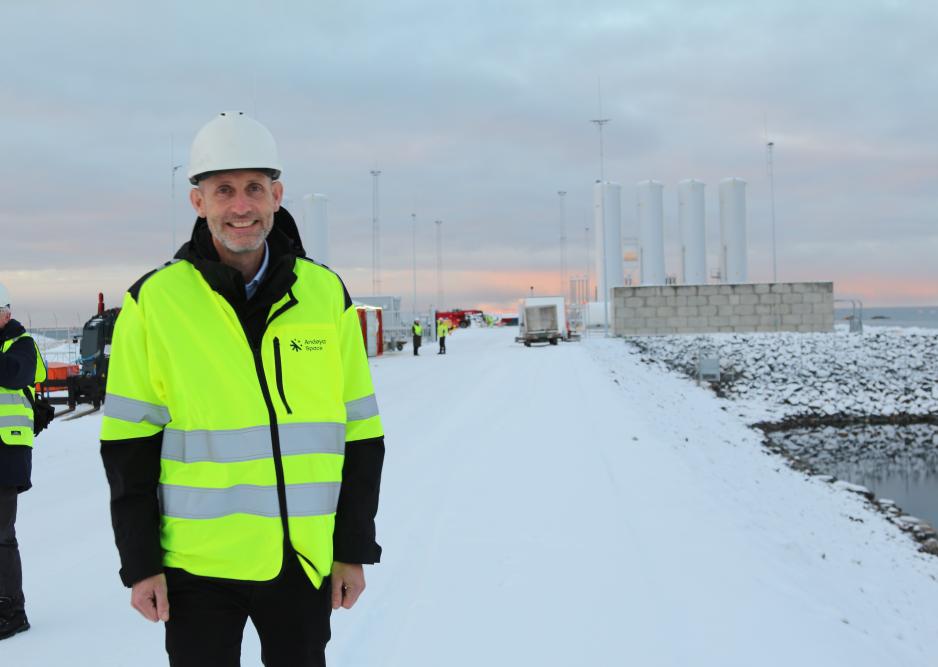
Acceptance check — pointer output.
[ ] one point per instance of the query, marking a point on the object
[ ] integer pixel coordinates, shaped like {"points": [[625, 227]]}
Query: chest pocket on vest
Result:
{"points": [[307, 372]]}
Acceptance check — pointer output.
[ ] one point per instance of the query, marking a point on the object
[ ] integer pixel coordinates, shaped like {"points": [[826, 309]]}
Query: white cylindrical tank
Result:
{"points": [[651, 232], [690, 215], [607, 221], [315, 232], [733, 230]]}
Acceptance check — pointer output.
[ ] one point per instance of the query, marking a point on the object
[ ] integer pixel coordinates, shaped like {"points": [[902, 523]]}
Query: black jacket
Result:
{"points": [[17, 370], [133, 467]]}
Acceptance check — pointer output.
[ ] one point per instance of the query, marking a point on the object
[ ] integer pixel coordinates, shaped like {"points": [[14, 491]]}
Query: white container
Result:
{"points": [[536, 325], [651, 232], [315, 232], [690, 215], [607, 216], [733, 255]]}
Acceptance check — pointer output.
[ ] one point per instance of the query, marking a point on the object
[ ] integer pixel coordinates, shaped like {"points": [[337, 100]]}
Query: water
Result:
{"points": [[895, 462], [898, 316]]}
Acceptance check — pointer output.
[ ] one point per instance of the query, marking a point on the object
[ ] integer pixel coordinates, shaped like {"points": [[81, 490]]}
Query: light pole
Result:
{"points": [[439, 264], [413, 219], [172, 213], [599, 122], [375, 236], [563, 244], [589, 263], [768, 149]]}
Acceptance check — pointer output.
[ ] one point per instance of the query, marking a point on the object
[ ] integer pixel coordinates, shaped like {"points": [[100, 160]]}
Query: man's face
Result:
{"points": [[239, 207], [5, 316]]}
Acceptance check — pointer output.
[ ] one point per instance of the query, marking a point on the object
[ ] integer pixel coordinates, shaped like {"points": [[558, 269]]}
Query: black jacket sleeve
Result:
{"points": [[18, 364], [133, 472], [354, 537]]}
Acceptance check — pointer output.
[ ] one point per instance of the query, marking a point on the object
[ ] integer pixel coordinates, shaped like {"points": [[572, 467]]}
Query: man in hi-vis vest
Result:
{"points": [[241, 436], [21, 367]]}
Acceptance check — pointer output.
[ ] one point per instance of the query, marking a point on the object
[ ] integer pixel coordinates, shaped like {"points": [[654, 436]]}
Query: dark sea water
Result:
{"points": [[895, 462], [898, 316]]}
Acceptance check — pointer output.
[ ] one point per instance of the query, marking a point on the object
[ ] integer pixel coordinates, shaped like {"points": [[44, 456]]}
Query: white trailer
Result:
{"points": [[541, 319]]}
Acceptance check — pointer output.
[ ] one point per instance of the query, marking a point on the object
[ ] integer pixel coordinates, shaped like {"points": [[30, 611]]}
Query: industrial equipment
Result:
{"points": [[88, 385]]}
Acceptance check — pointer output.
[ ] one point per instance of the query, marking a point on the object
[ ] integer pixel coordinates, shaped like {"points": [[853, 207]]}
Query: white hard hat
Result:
{"points": [[4, 297], [233, 140]]}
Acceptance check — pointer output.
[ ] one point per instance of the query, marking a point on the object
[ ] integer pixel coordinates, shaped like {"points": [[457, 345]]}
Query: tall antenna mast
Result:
{"points": [[172, 192], [375, 236], [599, 122], [439, 264], [769, 146], [413, 218], [563, 244]]}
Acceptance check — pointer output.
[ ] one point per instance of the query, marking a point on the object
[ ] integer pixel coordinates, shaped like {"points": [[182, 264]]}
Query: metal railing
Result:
{"points": [[856, 315]]}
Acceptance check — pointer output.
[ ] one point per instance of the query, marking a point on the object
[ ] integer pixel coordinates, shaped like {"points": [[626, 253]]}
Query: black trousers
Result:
{"points": [[442, 345], [416, 344], [11, 569], [207, 619]]}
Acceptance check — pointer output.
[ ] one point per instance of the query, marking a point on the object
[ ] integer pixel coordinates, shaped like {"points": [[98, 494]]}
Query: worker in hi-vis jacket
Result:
{"points": [[417, 331], [442, 328], [21, 367], [241, 435]]}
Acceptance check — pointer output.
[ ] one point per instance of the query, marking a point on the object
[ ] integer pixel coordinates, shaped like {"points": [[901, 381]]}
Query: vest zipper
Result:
{"points": [[278, 371], [274, 431], [275, 444]]}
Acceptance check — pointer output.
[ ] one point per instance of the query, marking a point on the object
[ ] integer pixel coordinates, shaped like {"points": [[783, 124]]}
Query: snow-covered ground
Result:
{"points": [[564, 505]]}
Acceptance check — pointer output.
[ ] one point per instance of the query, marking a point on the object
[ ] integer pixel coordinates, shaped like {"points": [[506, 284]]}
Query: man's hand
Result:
{"points": [[148, 596], [348, 582]]}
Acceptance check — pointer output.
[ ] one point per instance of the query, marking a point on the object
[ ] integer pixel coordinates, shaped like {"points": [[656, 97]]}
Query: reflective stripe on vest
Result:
{"points": [[251, 444], [132, 410], [362, 408], [13, 421], [15, 399], [185, 502]]}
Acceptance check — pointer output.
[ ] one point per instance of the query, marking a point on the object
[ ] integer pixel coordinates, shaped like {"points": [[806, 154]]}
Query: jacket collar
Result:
{"points": [[11, 331], [283, 244]]}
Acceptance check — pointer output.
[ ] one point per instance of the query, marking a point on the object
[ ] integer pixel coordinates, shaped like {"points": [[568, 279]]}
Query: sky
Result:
{"points": [[476, 114]]}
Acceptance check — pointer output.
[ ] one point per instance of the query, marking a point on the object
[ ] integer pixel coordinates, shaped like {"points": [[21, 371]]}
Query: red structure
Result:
{"points": [[372, 329], [457, 318]]}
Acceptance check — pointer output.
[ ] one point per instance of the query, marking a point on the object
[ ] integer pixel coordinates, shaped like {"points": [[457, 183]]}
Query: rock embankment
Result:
{"points": [[818, 395], [801, 379]]}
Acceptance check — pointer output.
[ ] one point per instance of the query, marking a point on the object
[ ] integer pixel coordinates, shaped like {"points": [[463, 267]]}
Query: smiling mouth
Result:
{"points": [[244, 224]]}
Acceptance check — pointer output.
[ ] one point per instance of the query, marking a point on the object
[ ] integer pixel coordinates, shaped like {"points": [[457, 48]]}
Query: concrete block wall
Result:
{"points": [[747, 307]]}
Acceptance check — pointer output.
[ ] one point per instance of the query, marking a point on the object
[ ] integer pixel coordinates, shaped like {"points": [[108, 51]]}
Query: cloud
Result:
{"points": [[477, 113]]}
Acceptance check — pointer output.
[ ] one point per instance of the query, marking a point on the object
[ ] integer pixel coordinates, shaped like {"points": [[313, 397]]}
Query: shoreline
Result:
{"points": [[782, 382]]}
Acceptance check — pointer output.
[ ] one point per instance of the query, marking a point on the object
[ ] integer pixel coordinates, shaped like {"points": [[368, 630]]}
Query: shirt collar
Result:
{"points": [[251, 287]]}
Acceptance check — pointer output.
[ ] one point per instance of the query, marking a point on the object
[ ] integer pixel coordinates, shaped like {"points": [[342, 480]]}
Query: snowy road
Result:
{"points": [[536, 512]]}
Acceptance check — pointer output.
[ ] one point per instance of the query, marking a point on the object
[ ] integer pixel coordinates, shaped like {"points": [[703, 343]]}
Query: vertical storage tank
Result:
{"points": [[607, 199], [315, 232], [651, 232], [733, 230], [690, 215]]}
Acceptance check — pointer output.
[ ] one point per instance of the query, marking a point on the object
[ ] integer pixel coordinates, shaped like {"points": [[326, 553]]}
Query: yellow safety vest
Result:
{"points": [[251, 438], [16, 412], [441, 329]]}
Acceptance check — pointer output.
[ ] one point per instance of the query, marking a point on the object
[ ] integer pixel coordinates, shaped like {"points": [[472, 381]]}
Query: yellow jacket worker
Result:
{"points": [[241, 435]]}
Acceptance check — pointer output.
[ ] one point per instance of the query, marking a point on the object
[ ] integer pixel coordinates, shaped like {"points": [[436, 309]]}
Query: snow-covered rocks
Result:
{"points": [[887, 373]]}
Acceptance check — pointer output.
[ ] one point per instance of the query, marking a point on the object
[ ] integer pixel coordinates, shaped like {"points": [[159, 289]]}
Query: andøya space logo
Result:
{"points": [[307, 344]]}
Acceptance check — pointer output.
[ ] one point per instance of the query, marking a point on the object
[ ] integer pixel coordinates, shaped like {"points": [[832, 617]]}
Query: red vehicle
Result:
{"points": [[457, 317]]}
